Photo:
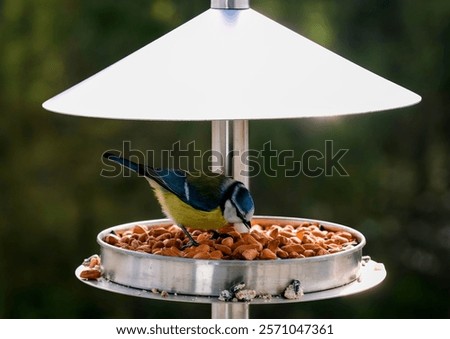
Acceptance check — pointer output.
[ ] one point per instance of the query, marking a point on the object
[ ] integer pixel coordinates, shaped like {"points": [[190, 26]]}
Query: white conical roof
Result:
{"points": [[231, 64]]}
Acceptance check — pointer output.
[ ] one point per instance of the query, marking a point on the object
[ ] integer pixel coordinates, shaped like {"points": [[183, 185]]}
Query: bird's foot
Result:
{"points": [[216, 235], [191, 241]]}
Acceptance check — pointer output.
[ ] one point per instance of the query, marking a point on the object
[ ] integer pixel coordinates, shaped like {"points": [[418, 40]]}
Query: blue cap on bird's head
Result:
{"points": [[237, 205]]}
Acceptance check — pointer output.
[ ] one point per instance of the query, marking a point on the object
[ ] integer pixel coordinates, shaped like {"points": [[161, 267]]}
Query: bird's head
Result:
{"points": [[238, 206]]}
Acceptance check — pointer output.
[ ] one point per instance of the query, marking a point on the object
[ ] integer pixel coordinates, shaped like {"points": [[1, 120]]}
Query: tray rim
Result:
{"points": [[153, 222]]}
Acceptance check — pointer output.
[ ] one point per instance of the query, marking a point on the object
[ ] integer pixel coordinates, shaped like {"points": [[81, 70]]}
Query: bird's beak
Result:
{"points": [[247, 223]]}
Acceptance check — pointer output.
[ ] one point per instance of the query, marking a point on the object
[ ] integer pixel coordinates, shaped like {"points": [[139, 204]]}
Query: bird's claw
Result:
{"points": [[190, 243]]}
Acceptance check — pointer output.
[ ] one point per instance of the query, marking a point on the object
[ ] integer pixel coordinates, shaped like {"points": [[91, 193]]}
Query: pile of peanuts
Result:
{"points": [[263, 242], [92, 268]]}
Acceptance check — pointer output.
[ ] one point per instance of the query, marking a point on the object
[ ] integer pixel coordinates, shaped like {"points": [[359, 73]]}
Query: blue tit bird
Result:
{"points": [[206, 201]]}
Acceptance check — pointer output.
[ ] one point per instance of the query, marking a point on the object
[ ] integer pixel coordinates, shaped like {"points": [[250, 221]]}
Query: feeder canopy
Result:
{"points": [[228, 64]]}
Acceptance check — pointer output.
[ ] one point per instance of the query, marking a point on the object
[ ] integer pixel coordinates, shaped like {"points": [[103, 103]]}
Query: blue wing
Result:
{"points": [[201, 192]]}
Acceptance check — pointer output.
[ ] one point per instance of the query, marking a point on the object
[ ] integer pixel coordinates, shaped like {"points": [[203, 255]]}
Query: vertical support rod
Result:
{"points": [[240, 146], [220, 146], [220, 143], [225, 310]]}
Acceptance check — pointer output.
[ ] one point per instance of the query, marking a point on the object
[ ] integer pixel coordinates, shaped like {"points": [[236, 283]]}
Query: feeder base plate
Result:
{"points": [[372, 274]]}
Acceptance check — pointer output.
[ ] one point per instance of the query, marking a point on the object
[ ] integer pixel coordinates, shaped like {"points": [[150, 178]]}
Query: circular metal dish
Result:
{"points": [[210, 277], [372, 274]]}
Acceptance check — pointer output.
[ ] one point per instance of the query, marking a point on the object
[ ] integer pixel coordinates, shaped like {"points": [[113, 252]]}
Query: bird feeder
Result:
{"points": [[230, 65]]}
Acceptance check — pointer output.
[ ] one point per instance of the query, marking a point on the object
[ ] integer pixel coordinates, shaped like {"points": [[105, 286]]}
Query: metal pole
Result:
{"points": [[240, 146], [220, 145], [230, 310], [230, 4]]}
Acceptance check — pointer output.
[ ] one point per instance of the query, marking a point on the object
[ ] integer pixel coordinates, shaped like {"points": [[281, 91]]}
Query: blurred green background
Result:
{"points": [[54, 201]]}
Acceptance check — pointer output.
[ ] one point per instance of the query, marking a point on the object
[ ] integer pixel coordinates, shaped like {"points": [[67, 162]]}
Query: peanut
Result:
{"points": [[158, 244], [287, 234], [224, 249], [90, 274], [283, 240], [176, 251], [145, 248], [227, 229], [235, 235], [203, 237], [345, 234], [112, 239], [238, 243], [273, 245], [334, 250], [308, 253], [169, 252], [318, 233], [240, 249], [338, 239], [134, 244], [164, 236], [189, 254], [273, 233], [300, 234], [267, 254], [95, 261], [288, 228], [250, 254], [203, 248], [282, 254], [125, 239], [228, 242], [159, 231], [311, 246], [293, 248], [216, 255], [260, 237], [202, 255], [321, 251], [174, 229], [172, 242], [307, 239], [293, 255], [143, 237], [139, 229], [252, 241], [295, 240]]}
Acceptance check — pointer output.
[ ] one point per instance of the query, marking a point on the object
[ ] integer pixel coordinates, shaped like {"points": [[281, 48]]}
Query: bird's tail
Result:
{"points": [[138, 168]]}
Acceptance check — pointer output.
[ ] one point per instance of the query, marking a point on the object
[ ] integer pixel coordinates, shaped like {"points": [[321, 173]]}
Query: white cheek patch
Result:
{"points": [[229, 213]]}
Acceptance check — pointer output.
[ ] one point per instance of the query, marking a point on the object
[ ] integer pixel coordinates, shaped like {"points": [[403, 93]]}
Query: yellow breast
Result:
{"points": [[186, 215]]}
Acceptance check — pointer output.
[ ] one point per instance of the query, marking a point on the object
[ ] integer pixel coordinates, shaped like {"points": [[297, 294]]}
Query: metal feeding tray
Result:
{"points": [[146, 275], [209, 277]]}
